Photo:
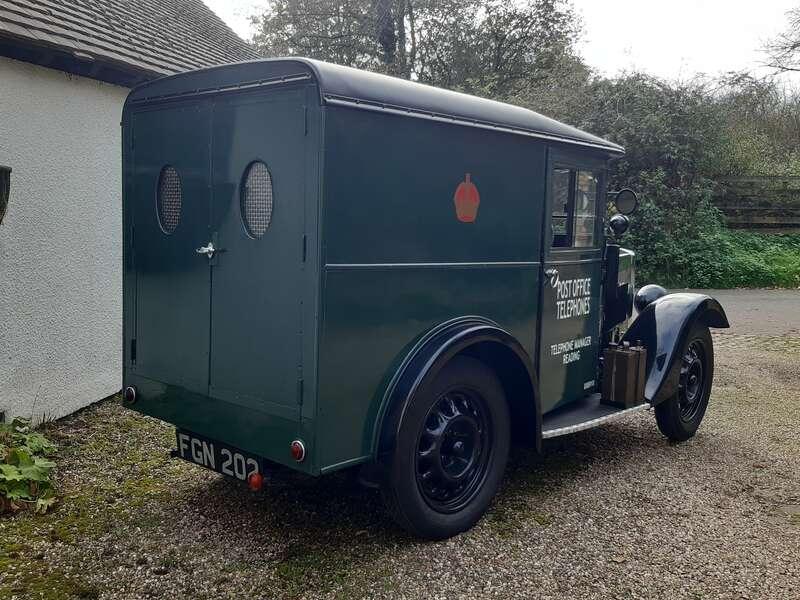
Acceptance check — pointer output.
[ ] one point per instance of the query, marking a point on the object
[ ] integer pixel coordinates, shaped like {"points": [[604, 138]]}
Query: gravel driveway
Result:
{"points": [[615, 512]]}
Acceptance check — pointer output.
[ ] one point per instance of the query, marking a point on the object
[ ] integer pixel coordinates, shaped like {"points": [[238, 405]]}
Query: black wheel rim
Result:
{"points": [[692, 383], [453, 450]]}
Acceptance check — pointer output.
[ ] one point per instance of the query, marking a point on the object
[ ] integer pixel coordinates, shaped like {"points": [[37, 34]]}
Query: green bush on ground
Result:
{"points": [[759, 260], [24, 468], [711, 256]]}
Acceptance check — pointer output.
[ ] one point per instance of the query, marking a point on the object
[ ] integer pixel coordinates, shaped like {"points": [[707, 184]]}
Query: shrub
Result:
{"points": [[24, 468], [761, 260], [679, 139]]}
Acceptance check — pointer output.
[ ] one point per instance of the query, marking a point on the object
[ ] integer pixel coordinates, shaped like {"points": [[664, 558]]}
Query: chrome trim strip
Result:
{"points": [[551, 433], [347, 463], [575, 262], [431, 265], [246, 85], [443, 118]]}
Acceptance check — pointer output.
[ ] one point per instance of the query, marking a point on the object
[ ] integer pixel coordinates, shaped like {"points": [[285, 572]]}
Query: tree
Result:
{"points": [[784, 51], [377, 35], [501, 49], [672, 134], [491, 47], [339, 31], [762, 125]]}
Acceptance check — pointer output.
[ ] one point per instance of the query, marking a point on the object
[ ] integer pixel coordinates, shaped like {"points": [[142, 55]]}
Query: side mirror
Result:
{"points": [[618, 224], [5, 189], [625, 201]]}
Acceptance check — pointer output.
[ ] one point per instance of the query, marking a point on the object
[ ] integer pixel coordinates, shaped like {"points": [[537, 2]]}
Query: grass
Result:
{"points": [[102, 502], [760, 260], [721, 258], [505, 520], [36, 580], [116, 477], [524, 491]]}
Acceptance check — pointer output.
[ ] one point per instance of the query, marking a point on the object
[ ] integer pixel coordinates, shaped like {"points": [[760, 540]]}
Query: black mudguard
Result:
{"points": [[430, 354], [662, 327]]}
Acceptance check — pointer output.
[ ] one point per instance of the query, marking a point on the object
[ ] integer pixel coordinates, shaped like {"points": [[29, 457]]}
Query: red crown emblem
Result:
{"points": [[467, 199]]}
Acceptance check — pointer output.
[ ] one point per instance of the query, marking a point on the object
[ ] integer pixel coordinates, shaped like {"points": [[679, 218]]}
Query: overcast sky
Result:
{"points": [[674, 39]]}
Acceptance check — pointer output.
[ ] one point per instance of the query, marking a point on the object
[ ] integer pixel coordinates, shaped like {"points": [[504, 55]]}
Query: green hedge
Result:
{"points": [[759, 260], [720, 258]]}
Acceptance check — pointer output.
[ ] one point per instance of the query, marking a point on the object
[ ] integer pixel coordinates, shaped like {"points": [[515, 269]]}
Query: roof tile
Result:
{"points": [[155, 36]]}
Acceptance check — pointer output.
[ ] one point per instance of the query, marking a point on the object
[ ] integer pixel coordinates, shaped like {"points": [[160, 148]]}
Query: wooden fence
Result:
{"points": [[761, 203]]}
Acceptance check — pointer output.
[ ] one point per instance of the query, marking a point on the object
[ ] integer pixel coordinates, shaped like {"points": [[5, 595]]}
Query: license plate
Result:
{"points": [[216, 456]]}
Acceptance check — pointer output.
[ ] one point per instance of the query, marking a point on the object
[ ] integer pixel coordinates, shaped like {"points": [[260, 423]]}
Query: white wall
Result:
{"points": [[60, 247]]}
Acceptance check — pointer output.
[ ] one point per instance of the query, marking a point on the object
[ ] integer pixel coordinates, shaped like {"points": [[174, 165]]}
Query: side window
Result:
{"points": [[574, 208], [562, 202], [585, 209]]}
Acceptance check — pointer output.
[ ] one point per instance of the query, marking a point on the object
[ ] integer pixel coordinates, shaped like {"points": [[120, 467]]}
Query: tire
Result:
{"points": [[451, 451], [679, 416]]}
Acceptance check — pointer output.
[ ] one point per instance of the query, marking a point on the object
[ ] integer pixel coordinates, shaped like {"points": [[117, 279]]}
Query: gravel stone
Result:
{"points": [[615, 512]]}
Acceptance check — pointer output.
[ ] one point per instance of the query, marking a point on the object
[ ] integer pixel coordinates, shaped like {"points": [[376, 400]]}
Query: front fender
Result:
{"points": [[428, 356], [662, 327]]}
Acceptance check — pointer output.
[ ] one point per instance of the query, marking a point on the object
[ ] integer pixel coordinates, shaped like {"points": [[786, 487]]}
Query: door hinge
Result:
{"points": [[133, 350], [300, 392], [304, 247], [132, 248]]}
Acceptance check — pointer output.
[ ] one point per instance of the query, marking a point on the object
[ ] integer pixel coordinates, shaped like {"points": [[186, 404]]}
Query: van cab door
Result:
{"points": [[572, 258]]}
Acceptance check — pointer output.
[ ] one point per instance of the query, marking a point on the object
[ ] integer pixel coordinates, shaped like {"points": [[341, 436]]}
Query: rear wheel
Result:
{"points": [[679, 416], [450, 453]]}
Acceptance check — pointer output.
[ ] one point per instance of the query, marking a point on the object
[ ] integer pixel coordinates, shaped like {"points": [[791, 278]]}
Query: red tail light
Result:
{"points": [[255, 482], [298, 450]]}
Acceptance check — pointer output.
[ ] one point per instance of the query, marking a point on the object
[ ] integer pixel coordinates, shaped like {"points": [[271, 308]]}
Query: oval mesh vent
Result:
{"points": [[169, 199], [257, 199]]}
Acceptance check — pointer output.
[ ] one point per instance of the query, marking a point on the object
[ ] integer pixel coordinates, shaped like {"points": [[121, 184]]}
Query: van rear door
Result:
{"points": [[170, 194], [259, 187], [218, 190]]}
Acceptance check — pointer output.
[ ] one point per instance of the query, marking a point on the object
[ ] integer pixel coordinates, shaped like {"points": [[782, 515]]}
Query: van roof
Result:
{"points": [[345, 86]]}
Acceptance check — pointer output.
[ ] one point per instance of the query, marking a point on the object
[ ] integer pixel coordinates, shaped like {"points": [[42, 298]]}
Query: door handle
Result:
{"points": [[207, 250]]}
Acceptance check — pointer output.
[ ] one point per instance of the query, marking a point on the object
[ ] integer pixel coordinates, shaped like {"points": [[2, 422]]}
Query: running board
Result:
{"points": [[584, 414]]}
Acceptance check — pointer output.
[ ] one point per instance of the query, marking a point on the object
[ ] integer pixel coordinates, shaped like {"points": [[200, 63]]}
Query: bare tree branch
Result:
{"points": [[784, 51]]}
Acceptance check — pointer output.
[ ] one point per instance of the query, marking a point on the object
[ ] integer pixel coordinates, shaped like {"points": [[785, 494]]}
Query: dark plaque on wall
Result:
{"points": [[5, 189]]}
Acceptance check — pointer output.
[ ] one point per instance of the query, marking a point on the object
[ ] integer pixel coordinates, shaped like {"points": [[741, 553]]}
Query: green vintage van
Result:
{"points": [[329, 269]]}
